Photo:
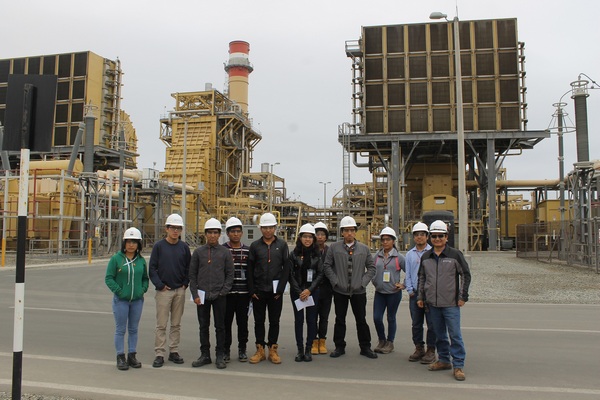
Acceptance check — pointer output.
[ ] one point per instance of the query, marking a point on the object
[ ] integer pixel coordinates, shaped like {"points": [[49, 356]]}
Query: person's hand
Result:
{"points": [[165, 288], [198, 301], [304, 295], [461, 303], [420, 303], [400, 286], [254, 296]]}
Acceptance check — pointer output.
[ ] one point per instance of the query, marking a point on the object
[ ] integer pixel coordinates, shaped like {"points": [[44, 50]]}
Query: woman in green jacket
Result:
{"points": [[127, 278]]}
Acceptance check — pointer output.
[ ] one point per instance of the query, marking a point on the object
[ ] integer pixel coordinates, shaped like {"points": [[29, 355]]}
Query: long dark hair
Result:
{"points": [[312, 251], [139, 242]]}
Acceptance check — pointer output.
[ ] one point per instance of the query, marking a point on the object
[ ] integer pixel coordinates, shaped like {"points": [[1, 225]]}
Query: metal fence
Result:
{"points": [[547, 241]]}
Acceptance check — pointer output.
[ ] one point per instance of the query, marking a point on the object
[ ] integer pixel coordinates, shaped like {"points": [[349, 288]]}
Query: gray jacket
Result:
{"points": [[349, 271], [445, 279], [211, 270]]}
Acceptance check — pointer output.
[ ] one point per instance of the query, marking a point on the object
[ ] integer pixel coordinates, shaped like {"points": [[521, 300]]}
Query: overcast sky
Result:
{"points": [[300, 88]]}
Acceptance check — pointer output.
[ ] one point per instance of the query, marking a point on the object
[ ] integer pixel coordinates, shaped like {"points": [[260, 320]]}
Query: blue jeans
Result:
{"points": [[446, 323], [391, 302], [419, 316], [127, 317]]}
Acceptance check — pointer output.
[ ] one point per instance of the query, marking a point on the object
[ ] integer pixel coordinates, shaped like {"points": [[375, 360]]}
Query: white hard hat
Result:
{"points": [[321, 225], [307, 228], [212, 223], [132, 233], [420, 227], [267, 219], [438, 227], [231, 222], [174, 220], [389, 232], [347, 222]]}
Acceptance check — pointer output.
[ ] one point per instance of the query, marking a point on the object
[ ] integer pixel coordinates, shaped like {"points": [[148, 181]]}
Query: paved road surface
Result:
{"points": [[516, 351]]}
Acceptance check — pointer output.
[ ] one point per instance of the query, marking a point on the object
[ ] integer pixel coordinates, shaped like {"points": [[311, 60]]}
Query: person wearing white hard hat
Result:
{"points": [[211, 278], [305, 277], [325, 294], [238, 298], [268, 274], [418, 315], [127, 278], [169, 272], [389, 265], [349, 267], [444, 279]]}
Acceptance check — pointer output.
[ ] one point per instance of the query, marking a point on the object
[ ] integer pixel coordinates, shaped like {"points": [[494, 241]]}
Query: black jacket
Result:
{"points": [[299, 274], [267, 263]]}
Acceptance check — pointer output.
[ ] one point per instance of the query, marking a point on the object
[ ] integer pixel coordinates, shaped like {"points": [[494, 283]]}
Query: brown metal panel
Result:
{"points": [[374, 120], [418, 93], [374, 95], [486, 91], [487, 118], [485, 64], [419, 119], [373, 69], [417, 66], [483, 31], [397, 120], [441, 120], [416, 38], [372, 39], [395, 39], [396, 95], [395, 67], [440, 92]]}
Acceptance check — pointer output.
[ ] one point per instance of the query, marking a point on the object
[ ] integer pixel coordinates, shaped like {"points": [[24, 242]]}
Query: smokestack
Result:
{"points": [[238, 68], [579, 93]]}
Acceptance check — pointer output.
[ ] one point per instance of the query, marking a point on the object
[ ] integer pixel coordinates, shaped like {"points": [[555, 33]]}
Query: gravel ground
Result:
{"points": [[497, 277]]}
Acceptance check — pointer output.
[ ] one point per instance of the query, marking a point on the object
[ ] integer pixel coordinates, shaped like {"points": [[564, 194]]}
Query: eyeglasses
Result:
{"points": [[175, 228], [437, 236]]}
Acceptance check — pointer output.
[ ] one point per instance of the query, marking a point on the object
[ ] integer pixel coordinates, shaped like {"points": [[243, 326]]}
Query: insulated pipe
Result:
{"points": [[238, 69], [579, 95]]}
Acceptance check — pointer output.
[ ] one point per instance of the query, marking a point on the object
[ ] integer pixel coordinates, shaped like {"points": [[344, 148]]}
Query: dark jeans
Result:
{"points": [[237, 304], [358, 302], [203, 311], [266, 301], [419, 316], [323, 310], [391, 302], [311, 321]]}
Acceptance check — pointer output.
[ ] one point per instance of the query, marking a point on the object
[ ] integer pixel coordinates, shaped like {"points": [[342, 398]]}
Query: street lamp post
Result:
{"points": [[324, 196], [272, 188], [460, 137]]}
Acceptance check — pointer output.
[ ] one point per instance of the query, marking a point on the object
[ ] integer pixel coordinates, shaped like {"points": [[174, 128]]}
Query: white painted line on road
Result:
{"points": [[70, 311], [475, 328], [327, 380], [104, 391]]}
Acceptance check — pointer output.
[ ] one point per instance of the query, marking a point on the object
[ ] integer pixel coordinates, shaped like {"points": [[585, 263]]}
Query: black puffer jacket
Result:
{"points": [[299, 273]]}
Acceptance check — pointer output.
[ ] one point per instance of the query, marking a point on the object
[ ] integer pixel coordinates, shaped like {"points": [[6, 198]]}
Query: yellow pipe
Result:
{"points": [[3, 252]]}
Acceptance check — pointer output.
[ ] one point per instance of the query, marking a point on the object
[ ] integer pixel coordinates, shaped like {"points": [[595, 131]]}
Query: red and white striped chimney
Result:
{"points": [[238, 68]]}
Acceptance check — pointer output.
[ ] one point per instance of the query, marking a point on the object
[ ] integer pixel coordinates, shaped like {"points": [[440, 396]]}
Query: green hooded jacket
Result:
{"points": [[128, 279]]}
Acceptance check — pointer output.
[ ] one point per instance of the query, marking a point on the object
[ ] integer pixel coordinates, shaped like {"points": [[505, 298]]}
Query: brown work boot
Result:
{"points": [[273, 356], [429, 356], [418, 354], [379, 346], [387, 348], [459, 375], [322, 347], [315, 347], [439, 366], [259, 355]]}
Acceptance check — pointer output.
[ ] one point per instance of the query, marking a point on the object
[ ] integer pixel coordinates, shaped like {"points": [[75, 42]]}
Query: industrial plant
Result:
{"points": [[436, 108]]}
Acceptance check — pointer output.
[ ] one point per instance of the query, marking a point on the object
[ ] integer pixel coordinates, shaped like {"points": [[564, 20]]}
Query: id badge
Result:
{"points": [[309, 275], [386, 276], [243, 274]]}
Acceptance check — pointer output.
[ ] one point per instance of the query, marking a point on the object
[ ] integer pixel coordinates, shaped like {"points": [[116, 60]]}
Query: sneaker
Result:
{"points": [[439, 366], [429, 356], [417, 355], [176, 358], [379, 346], [242, 356], [387, 348], [459, 375], [158, 362], [226, 357], [202, 360]]}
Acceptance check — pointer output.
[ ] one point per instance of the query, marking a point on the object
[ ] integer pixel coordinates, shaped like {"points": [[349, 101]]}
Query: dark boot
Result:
{"points": [[132, 361], [307, 354], [226, 357], [220, 363], [418, 354], [300, 356], [242, 356], [202, 360], [122, 363]]}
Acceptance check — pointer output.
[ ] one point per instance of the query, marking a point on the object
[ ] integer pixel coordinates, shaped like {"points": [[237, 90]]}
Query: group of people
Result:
{"points": [[235, 280]]}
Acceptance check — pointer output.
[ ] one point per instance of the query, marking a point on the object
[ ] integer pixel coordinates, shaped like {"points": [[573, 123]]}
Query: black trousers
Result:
{"points": [[324, 308], [203, 311], [267, 302], [237, 305], [358, 302]]}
